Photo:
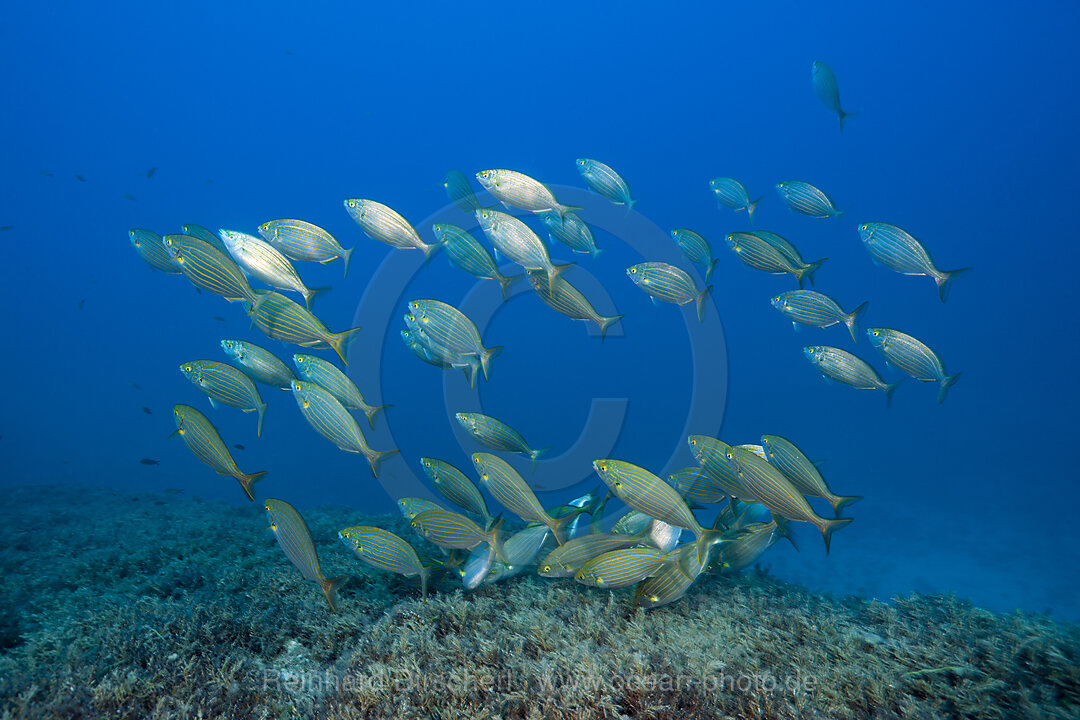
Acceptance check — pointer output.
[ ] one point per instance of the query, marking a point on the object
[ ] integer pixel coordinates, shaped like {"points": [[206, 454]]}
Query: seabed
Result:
{"points": [[168, 606]]}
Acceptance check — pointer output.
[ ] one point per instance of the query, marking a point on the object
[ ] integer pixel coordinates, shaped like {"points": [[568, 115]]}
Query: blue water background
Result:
{"points": [[965, 136]]}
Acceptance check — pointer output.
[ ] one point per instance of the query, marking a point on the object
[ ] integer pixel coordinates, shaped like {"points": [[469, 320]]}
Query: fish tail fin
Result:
{"points": [[558, 527], [630, 207], [376, 457], [595, 252], [605, 323], [783, 529], [505, 282], [261, 409], [429, 252], [495, 541], [486, 356], [808, 271], [310, 293], [424, 573], [751, 208], [534, 455], [889, 389], [340, 342], [701, 303], [247, 481], [844, 115], [852, 320], [347, 257], [947, 383], [944, 281], [708, 270], [828, 527], [372, 410], [704, 545], [555, 274], [563, 209], [330, 587], [842, 501]]}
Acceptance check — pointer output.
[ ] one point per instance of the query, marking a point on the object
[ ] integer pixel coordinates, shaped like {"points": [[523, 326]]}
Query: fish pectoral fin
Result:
{"points": [[213, 403], [795, 326]]}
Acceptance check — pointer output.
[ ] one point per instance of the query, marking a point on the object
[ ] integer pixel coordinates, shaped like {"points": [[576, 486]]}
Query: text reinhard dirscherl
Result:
{"points": [[463, 681]]}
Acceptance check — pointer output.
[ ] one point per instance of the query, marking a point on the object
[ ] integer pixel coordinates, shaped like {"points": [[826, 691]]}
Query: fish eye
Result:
{"points": [[546, 568]]}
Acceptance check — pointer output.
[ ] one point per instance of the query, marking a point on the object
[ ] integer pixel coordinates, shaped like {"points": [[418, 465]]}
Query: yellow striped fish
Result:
{"points": [[295, 539], [567, 559], [302, 240], [620, 568], [569, 301], [339, 384], [152, 249], [209, 268], [459, 191], [385, 550], [203, 440], [259, 364], [205, 234], [606, 182], [663, 281], [510, 489], [455, 487], [383, 223], [410, 507], [842, 366], [282, 319], [802, 473], [497, 435], [331, 420], [517, 190], [224, 383], [643, 491], [802, 197], [670, 582], [913, 357], [776, 492], [452, 530]]}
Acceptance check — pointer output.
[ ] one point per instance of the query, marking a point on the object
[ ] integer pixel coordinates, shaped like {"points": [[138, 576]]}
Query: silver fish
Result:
{"points": [[913, 357], [844, 367], [732, 194], [666, 282], [517, 241], [606, 182], [263, 261], [384, 224], [897, 250], [802, 197], [517, 190], [824, 81]]}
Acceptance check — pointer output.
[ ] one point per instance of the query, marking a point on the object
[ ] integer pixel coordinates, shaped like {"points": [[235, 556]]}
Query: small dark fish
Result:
{"points": [[46, 173], [209, 180], [173, 491], [149, 461], [79, 177], [219, 318], [238, 446], [150, 172], [5, 228], [147, 411], [130, 197], [82, 303], [288, 52], [135, 385]]}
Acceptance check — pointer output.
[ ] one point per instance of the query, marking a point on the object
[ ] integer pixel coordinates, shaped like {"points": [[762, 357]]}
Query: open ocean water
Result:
{"points": [[963, 549]]}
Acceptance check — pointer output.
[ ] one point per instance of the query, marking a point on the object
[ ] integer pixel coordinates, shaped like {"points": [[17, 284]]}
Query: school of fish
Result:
{"points": [[755, 492]]}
